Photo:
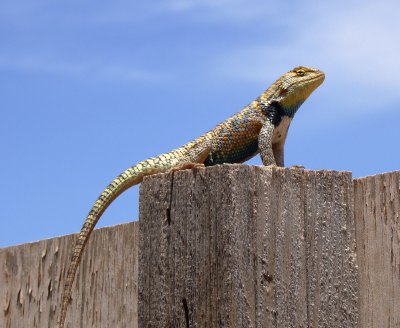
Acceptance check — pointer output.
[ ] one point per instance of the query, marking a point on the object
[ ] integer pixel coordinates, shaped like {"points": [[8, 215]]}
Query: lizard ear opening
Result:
{"points": [[283, 92]]}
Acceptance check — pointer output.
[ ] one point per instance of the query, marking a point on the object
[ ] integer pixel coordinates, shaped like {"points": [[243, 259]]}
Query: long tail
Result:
{"points": [[125, 180], [187, 156]]}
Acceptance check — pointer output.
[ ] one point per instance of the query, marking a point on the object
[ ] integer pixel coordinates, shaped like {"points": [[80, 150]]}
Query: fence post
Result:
{"points": [[244, 246], [377, 217]]}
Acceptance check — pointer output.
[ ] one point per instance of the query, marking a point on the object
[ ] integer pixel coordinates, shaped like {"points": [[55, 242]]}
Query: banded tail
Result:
{"points": [[188, 156]]}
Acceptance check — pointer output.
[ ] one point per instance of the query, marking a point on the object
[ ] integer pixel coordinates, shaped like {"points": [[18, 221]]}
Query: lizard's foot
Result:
{"points": [[269, 165], [193, 165], [297, 167], [186, 166]]}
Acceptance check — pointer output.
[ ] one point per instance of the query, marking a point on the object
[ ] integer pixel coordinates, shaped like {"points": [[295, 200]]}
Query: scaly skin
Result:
{"points": [[259, 127]]}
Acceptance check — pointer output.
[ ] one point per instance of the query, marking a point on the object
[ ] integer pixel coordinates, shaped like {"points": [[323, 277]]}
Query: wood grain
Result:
{"points": [[245, 246], [105, 292], [226, 246], [377, 211]]}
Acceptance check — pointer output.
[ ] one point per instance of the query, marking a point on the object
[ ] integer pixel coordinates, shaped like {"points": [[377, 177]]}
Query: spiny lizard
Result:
{"points": [[259, 127]]}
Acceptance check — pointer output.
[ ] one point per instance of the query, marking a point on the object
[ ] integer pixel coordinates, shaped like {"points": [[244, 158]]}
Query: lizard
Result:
{"points": [[260, 127]]}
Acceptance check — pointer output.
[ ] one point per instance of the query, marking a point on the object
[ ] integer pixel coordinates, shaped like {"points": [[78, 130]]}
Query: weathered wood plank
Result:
{"points": [[105, 293], [244, 246], [377, 216], [228, 246]]}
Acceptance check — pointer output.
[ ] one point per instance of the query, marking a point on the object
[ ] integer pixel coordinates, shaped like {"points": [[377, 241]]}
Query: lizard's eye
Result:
{"points": [[300, 72]]}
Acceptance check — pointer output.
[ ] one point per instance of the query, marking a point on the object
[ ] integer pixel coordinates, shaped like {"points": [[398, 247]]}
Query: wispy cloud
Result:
{"points": [[237, 10], [85, 70], [357, 44], [125, 11]]}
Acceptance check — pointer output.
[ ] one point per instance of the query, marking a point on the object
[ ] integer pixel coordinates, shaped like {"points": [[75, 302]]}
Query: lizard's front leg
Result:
{"points": [[265, 144]]}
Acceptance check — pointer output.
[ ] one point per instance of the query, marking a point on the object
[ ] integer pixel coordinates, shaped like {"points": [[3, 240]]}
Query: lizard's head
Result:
{"points": [[294, 87]]}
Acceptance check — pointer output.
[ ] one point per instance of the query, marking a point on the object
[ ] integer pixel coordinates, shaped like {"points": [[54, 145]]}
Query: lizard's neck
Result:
{"points": [[291, 110], [275, 111]]}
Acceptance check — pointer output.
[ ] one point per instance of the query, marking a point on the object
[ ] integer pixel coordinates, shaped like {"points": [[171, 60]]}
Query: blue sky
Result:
{"points": [[88, 89]]}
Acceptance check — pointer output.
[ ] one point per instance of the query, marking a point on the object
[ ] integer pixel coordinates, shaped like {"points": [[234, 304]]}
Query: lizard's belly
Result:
{"points": [[235, 154], [280, 131]]}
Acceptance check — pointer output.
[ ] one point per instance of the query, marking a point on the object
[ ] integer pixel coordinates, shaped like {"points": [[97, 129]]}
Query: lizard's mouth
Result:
{"points": [[313, 82], [320, 77]]}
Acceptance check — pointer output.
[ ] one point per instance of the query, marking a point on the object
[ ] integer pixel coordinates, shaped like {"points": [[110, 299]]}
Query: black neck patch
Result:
{"points": [[273, 111]]}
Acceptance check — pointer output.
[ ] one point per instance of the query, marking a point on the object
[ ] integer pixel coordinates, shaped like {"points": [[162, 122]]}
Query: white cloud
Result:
{"points": [[365, 41], [357, 45]]}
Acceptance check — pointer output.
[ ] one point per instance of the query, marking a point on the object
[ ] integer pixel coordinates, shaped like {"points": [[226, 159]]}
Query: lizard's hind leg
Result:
{"points": [[196, 154]]}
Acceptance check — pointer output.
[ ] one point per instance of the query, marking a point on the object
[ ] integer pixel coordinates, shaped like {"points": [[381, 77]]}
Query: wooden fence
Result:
{"points": [[226, 246]]}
